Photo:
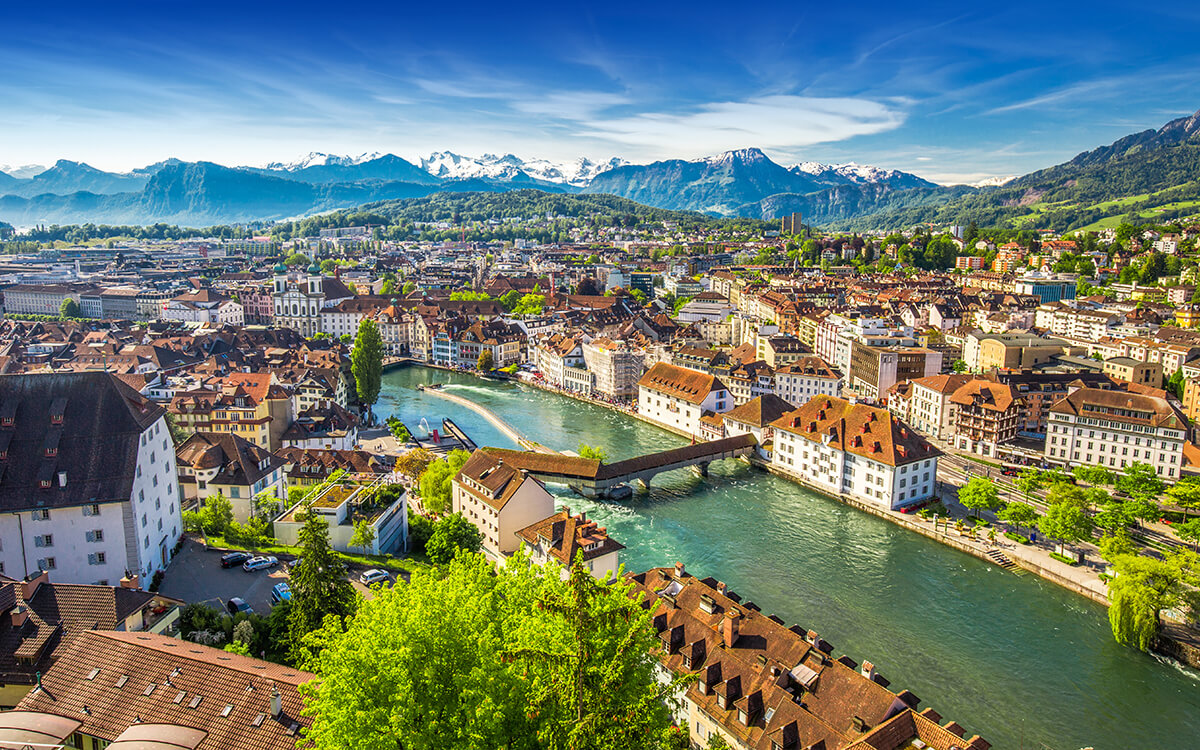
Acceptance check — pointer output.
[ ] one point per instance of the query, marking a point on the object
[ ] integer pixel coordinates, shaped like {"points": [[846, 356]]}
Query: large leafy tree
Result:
{"points": [[1142, 588], [1020, 515], [366, 362], [480, 658], [979, 494], [435, 484], [1186, 494], [1140, 481], [319, 587], [1066, 518], [451, 534]]}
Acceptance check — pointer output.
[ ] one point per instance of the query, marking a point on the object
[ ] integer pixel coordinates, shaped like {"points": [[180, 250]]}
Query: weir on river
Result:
{"points": [[1017, 659]]}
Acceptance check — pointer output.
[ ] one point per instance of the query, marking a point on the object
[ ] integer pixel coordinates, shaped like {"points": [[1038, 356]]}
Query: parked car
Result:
{"points": [[372, 576], [281, 592], [238, 605], [260, 562], [231, 559]]}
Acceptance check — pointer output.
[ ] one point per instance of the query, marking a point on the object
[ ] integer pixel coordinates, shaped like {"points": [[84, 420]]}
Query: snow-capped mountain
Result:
{"points": [[319, 159], [452, 166], [858, 174], [994, 181], [23, 172]]}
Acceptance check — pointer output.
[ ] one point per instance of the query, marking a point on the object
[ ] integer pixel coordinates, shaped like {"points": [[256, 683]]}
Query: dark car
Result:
{"points": [[233, 559], [238, 604]]}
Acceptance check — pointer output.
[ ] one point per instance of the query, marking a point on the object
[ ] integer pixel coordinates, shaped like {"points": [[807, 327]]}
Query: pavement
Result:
{"points": [[196, 575]]}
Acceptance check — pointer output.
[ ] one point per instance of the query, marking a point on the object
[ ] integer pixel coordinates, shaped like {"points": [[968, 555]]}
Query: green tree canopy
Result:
{"points": [[1142, 588], [1141, 481], [480, 659], [435, 483], [297, 259], [364, 535], [1021, 515], [450, 534], [1067, 522], [216, 514], [593, 452], [1097, 475], [530, 304], [979, 494], [366, 362], [487, 361]]}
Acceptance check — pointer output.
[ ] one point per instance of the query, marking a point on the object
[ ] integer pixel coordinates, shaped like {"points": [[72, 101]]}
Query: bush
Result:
{"points": [[1064, 559], [1017, 537], [157, 580]]}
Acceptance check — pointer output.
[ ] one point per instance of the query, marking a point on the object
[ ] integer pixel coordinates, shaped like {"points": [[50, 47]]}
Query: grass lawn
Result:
{"points": [[410, 564]]}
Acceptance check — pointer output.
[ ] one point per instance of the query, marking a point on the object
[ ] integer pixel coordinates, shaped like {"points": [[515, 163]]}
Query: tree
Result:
{"points": [[1029, 482], [297, 259], [420, 528], [1116, 545], [1020, 515], [1141, 481], [1142, 588], [530, 304], [366, 362], [486, 361], [1067, 522], [216, 514], [716, 742], [1189, 531], [510, 299], [1186, 494], [451, 534], [477, 658], [413, 463], [979, 494], [960, 365], [364, 535], [69, 308], [319, 587], [328, 265], [1176, 383], [435, 483], [1094, 475], [593, 452]]}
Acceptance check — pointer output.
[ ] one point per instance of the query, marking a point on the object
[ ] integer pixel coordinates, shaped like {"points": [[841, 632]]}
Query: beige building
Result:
{"points": [[1133, 371], [1011, 351], [615, 366], [1093, 427], [930, 410], [499, 500]]}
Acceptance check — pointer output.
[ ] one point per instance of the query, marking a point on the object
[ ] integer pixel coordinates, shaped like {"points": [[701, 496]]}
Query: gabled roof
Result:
{"points": [[1121, 406], [84, 424], [857, 428], [759, 411], [680, 382], [565, 536]]}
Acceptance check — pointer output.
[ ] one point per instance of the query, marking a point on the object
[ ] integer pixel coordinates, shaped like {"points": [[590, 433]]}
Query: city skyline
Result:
{"points": [[947, 95]]}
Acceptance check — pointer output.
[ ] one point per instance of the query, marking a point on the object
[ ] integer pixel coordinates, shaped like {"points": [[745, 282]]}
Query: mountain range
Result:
{"points": [[1152, 173]]}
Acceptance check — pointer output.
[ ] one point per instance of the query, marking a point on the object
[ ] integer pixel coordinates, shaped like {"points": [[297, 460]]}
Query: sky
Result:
{"points": [[946, 90]]}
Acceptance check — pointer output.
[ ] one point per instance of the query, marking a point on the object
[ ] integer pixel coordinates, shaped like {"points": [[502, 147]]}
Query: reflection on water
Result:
{"points": [[1014, 658]]}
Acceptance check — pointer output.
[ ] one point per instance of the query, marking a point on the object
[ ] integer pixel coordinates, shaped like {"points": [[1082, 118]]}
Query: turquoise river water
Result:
{"points": [[1017, 659]]}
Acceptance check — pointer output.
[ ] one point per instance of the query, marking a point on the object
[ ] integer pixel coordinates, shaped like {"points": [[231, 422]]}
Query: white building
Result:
{"points": [[1093, 427], [676, 397], [855, 450], [810, 376], [930, 410], [499, 500], [88, 486], [562, 537], [203, 306], [299, 300]]}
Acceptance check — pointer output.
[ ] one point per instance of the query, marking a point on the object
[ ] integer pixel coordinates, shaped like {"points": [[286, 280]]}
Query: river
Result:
{"points": [[1019, 660]]}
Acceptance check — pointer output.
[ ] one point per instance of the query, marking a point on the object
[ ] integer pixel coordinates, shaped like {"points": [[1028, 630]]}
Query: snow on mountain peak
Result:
{"points": [[319, 159], [449, 165]]}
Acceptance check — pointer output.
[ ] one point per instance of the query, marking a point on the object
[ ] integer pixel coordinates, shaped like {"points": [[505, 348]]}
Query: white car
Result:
{"points": [[260, 562], [372, 576]]}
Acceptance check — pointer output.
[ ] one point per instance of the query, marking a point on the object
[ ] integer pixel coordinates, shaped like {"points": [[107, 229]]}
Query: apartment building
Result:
{"points": [[1093, 427], [615, 366], [855, 450], [677, 397], [986, 415], [556, 353], [930, 410], [213, 462], [750, 670], [563, 537], [1009, 351], [805, 378], [1130, 370], [246, 404], [203, 306], [500, 501], [88, 485], [344, 317], [39, 299], [873, 369]]}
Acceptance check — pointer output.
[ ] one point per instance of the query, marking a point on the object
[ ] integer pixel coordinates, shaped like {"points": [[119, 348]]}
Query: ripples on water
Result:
{"points": [[1017, 659]]}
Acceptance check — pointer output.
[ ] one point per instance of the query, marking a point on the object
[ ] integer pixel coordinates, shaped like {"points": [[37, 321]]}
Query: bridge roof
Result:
{"points": [[573, 467]]}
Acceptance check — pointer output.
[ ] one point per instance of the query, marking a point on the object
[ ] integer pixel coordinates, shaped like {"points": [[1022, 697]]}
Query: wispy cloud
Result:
{"points": [[771, 122]]}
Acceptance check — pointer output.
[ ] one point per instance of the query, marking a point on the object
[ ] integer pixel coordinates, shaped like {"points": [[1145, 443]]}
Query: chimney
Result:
{"points": [[19, 615], [868, 670], [812, 637], [722, 589], [729, 627], [130, 581], [31, 583], [679, 570], [582, 516], [276, 702]]}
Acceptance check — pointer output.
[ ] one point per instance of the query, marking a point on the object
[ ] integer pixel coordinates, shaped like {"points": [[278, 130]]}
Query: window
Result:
{"points": [[43, 540], [41, 515], [46, 563], [144, 521], [95, 536], [96, 558], [91, 510], [147, 544]]}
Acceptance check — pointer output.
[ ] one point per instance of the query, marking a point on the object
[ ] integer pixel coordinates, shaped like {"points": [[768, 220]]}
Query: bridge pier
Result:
{"points": [[701, 470], [641, 485]]}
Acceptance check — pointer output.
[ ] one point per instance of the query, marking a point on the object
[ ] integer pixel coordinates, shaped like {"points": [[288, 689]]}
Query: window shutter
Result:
{"points": [[39, 541], [91, 536], [91, 558]]}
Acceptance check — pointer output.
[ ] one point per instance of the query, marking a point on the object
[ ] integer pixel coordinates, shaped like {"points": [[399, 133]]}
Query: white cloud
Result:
{"points": [[773, 122]]}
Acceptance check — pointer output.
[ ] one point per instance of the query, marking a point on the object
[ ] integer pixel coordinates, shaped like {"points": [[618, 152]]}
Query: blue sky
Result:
{"points": [[946, 90]]}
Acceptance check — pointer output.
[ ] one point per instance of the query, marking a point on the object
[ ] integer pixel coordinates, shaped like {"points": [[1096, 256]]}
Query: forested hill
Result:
{"points": [[1150, 175]]}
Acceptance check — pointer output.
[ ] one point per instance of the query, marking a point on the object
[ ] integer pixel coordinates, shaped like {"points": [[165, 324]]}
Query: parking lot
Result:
{"points": [[196, 575]]}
